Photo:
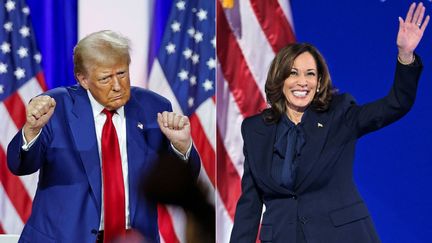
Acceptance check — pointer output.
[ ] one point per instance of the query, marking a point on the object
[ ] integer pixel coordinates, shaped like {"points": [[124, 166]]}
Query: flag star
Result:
{"points": [[192, 80], [191, 101], [8, 26], [208, 85], [198, 36], [19, 73], [5, 47], [37, 57], [195, 58], [211, 63], [26, 10], [10, 5], [191, 31], [175, 26], [183, 75], [202, 14], [22, 52], [170, 48], [1, 89], [3, 68], [187, 53], [181, 5], [213, 42], [24, 31]]}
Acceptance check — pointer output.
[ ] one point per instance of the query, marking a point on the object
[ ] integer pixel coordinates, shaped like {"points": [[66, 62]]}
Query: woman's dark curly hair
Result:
{"points": [[280, 70]]}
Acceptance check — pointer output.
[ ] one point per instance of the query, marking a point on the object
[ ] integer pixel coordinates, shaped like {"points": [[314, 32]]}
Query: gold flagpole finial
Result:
{"points": [[228, 3]]}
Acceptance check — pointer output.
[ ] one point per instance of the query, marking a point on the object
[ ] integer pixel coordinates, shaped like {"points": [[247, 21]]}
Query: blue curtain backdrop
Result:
{"points": [[55, 27], [393, 167]]}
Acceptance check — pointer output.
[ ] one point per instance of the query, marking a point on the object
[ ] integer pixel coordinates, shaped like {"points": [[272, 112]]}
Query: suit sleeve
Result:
{"points": [[249, 206], [22, 162], [375, 115]]}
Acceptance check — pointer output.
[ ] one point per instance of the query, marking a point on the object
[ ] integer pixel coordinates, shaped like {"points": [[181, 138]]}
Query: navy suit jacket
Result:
{"points": [[67, 205], [325, 202]]}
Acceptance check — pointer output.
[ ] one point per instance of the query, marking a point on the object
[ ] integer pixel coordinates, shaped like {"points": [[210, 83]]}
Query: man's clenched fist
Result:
{"points": [[38, 113]]}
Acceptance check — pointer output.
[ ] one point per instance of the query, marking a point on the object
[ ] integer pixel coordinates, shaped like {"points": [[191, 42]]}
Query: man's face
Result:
{"points": [[109, 83]]}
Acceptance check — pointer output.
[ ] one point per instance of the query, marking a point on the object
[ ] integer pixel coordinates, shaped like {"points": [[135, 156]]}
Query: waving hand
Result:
{"points": [[411, 31]]}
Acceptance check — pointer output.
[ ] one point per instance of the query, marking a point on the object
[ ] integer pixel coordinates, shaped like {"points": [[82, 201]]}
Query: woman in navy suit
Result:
{"points": [[299, 153]]}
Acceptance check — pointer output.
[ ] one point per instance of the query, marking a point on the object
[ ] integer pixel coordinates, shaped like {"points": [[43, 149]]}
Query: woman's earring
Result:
{"points": [[317, 90]]}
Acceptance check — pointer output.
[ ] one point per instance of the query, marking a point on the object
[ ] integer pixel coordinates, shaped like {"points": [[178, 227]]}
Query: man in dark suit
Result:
{"points": [[91, 143], [299, 153]]}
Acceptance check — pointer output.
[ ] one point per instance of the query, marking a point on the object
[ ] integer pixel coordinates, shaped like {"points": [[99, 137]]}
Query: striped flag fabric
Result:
{"points": [[249, 34], [184, 72], [21, 78]]}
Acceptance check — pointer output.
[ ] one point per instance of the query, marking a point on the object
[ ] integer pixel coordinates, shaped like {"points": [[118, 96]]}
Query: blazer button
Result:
{"points": [[304, 219], [294, 197]]}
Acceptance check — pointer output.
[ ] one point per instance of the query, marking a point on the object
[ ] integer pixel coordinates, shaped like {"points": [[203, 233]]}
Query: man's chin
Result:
{"points": [[114, 105]]}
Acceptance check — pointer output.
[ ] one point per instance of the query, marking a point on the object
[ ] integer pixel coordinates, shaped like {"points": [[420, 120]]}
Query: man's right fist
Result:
{"points": [[39, 111]]}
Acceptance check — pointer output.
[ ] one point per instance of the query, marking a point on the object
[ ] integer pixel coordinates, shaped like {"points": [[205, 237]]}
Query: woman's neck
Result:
{"points": [[295, 116]]}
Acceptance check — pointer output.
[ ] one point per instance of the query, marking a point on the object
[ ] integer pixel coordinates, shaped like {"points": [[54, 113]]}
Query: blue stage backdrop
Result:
{"points": [[393, 166]]}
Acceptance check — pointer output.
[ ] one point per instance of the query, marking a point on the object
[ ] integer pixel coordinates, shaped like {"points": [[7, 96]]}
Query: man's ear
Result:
{"points": [[82, 80]]}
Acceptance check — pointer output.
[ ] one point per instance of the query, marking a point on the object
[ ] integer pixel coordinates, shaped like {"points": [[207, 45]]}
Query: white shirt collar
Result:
{"points": [[97, 108]]}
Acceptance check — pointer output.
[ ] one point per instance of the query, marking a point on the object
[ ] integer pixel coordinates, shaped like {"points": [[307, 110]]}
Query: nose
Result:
{"points": [[116, 84], [302, 81]]}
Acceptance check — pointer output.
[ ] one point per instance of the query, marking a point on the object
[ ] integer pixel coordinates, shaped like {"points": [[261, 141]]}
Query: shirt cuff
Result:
{"points": [[26, 146], [184, 157]]}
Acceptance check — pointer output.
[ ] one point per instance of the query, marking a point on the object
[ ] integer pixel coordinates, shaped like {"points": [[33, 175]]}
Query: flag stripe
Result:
{"points": [[41, 80], [258, 61], [229, 125], [276, 28], [178, 218], [228, 180], [16, 109], [7, 128], [206, 114], [1, 229], [30, 89], [204, 148], [166, 228], [10, 220], [14, 189], [224, 222], [235, 69]]}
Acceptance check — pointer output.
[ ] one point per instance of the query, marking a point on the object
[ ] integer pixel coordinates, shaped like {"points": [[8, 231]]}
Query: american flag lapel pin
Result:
{"points": [[320, 125], [140, 125]]}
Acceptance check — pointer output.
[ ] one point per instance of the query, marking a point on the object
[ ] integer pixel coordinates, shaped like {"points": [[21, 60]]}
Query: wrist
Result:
{"points": [[406, 58], [182, 146], [30, 133]]}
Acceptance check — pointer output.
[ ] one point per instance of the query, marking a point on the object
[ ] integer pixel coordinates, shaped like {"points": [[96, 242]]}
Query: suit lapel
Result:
{"points": [[136, 147], [316, 127], [82, 127], [262, 157]]}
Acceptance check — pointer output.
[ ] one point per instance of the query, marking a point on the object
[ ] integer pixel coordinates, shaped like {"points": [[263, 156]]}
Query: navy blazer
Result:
{"points": [[325, 202], [67, 205]]}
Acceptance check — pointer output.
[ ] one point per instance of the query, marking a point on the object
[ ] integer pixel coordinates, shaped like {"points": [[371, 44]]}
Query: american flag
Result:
{"points": [[249, 33], [184, 72], [21, 78]]}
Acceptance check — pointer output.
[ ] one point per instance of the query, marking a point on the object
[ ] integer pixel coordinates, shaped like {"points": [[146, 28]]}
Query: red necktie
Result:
{"points": [[113, 187]]}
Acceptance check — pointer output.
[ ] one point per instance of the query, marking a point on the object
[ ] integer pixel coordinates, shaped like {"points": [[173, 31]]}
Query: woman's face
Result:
{"points": [[301, 85]]}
